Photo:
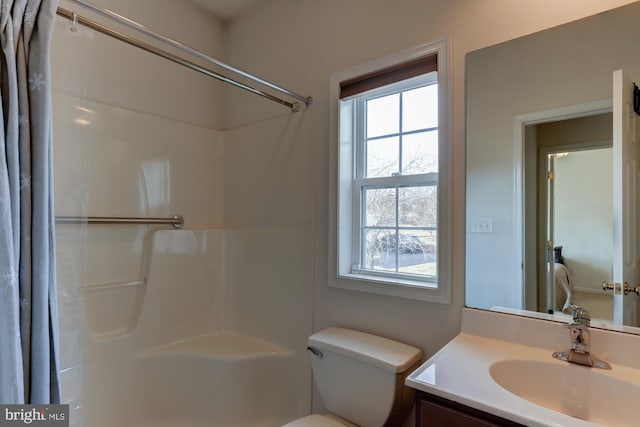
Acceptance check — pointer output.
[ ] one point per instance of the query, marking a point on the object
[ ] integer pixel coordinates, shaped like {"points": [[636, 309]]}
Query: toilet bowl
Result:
{"points": [[315, 420], [360, 379]]}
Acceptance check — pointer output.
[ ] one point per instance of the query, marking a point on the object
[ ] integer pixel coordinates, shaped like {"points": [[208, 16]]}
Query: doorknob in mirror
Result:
{"points": [[617, 289], [628, 289]]}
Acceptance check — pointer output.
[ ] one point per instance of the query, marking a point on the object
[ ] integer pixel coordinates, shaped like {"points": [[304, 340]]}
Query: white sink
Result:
{"points": [[502, 365], [581, 392]]}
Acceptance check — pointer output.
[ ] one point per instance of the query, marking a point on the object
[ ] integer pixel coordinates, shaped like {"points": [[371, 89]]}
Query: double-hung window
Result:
{"points": [[391, 219]]}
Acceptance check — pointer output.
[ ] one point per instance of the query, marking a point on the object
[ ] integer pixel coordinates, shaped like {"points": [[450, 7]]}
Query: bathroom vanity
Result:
{"points": [[434, 411], [500, 371]]}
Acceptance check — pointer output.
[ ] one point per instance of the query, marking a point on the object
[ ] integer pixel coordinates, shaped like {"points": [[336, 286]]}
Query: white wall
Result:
{"points": [[299, 44]]}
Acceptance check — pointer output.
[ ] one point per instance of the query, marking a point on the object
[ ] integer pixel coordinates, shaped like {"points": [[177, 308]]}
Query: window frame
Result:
{"points": [[362, 183], [345, 203]]}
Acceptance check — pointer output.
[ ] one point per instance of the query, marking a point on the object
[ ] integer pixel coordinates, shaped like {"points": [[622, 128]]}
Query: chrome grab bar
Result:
{"points": [[177, 221]]}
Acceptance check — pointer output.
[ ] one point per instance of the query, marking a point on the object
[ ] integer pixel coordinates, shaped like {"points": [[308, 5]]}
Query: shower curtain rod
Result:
{"points": [[77, 19]]}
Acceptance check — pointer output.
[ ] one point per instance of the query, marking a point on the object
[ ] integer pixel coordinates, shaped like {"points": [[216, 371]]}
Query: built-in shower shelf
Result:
{"points": [[103, 287], [220, 346], [112, 309]]}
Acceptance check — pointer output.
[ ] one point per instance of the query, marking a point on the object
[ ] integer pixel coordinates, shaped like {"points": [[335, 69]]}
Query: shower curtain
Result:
{"points": [[28, 315]]}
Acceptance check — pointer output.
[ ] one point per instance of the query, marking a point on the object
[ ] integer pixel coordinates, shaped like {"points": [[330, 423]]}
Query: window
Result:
{"points": [[390, 230]]}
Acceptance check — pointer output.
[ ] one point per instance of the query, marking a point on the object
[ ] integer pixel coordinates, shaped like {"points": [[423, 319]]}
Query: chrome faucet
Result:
{"points": [[580, 334]]}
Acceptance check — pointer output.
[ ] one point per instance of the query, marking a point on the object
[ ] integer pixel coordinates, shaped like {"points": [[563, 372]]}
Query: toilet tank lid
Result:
{"points": [[382, 352]]}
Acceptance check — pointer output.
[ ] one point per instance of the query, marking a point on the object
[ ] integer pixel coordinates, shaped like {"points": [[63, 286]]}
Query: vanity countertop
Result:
{"points": [[460, 371]]}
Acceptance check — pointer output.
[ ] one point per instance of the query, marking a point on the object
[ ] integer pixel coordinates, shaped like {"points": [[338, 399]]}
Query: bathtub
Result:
{"points": [[204, 338], [210, 380]]}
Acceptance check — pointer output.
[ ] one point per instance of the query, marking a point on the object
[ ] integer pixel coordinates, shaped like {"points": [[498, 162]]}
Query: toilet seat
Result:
{"points": [[315, 420]]}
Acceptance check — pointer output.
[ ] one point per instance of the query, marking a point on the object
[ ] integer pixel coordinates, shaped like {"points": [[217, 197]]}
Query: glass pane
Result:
{"points": [[380, 207], [380, 250], [383, 116], [418, 206], [383, 157], [420, 108], [420, 153], [417, 252]]}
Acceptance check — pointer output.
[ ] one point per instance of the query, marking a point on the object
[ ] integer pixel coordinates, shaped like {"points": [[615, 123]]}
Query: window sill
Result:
{"points": [[397, 287]]}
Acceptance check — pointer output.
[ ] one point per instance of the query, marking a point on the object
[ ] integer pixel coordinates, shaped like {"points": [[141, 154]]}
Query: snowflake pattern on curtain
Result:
{"points": [[29, 359]]}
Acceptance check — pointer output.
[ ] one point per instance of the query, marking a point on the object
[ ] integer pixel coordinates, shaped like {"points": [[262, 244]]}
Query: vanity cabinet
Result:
{"points": [[435, 411]]}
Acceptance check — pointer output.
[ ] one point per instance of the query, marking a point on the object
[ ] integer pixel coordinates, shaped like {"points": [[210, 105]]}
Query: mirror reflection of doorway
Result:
{"points": [[574, 217], [582, 221]]}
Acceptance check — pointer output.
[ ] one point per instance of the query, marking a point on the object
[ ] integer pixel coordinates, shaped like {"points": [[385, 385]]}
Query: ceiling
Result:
{"points": [[228, 9]]}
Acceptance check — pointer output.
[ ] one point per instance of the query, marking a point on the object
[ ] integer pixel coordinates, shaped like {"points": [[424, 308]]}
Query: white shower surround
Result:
{"points": [[202, 389], [123, 148], [241, 289], [189, 359], [188, 366]]}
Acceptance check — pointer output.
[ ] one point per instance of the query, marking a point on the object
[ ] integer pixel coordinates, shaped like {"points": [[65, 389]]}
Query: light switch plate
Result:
{"points": [[482, 225]]}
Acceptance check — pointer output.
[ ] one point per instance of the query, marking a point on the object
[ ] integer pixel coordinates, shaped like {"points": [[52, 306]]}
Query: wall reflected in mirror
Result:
{"points": [[539, 166]]}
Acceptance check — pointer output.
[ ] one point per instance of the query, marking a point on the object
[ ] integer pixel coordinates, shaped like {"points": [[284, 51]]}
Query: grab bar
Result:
{"points": [[177, 221]]}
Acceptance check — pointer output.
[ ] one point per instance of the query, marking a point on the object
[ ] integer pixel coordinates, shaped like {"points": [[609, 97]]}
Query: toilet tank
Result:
{"points": [[360, 377]]}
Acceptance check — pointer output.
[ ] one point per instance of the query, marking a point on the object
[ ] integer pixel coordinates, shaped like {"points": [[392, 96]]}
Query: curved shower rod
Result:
{"points": [[77, 19]]}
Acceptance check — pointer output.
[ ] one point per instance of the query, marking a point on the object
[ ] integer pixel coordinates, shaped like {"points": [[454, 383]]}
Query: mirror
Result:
{"points": [[539, 168]]}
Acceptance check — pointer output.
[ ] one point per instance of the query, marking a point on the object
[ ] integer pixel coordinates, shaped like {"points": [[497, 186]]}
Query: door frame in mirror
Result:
{"points": [[519, 140]]}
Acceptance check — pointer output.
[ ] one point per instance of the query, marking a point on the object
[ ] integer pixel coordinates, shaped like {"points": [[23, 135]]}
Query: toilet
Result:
{"points": [[360, 379]]}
